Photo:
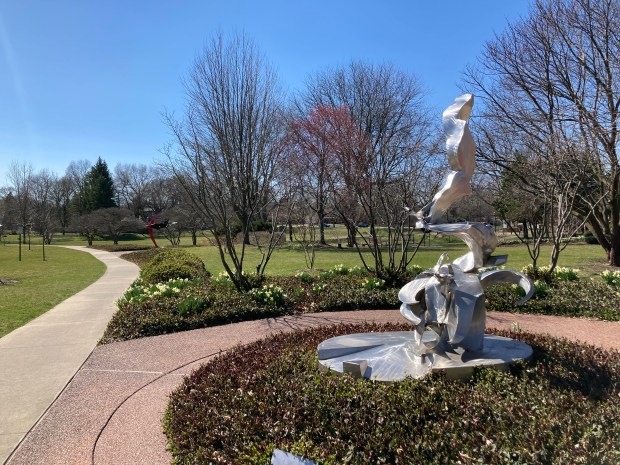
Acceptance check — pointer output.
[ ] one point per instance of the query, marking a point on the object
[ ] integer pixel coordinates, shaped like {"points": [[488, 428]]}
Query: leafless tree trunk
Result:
{"points": [[132, 184], [42, 204], [20, 177], [76, 172], [62, 193], [229, 143], [380, 149], [551, 81]]}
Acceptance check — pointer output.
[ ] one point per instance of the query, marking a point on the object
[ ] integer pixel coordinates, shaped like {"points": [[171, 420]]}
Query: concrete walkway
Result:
{"points": [[39, 359], [111, 412]]}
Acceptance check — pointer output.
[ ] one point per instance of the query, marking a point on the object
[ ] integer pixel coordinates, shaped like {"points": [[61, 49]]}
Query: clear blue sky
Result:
{"points": [[87, 78]]}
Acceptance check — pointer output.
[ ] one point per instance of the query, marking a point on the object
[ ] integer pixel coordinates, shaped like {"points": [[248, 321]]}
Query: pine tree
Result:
{"points": [[98, 188]]}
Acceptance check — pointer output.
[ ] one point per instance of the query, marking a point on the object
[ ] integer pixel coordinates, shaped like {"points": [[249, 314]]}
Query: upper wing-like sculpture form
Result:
{"points": [[461, 150]]}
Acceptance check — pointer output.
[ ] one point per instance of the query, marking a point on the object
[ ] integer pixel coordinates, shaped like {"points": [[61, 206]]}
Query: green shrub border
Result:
{"points": [[563, 407], [338, 289]]}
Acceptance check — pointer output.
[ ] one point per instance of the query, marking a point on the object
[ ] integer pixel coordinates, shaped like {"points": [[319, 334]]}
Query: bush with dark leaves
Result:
{"points": [[588, 299], [561, 408]]}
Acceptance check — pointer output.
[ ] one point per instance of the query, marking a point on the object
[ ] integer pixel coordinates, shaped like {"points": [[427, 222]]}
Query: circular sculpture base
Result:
{"points": [[388, 357]]}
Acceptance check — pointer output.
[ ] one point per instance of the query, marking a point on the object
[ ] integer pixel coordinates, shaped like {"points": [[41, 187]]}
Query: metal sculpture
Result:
{"points": [[445, 303], [151, 225]]}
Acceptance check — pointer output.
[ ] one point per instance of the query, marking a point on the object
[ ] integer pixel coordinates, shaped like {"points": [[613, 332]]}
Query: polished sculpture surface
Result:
{"points": [[446, 303]]}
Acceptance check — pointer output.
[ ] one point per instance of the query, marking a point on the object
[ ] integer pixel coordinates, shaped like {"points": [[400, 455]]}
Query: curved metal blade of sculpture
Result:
{"points": [[446, 303], [461, 151]]}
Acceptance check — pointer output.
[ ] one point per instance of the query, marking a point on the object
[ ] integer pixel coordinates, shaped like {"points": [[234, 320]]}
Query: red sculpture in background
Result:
{"points": [[151, 225]]}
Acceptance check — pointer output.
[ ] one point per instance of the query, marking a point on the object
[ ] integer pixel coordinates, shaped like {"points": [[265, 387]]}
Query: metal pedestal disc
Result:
{"points": [[390, 356]]}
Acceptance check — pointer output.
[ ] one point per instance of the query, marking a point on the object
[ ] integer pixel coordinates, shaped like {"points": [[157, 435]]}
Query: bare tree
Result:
{"points": [[76, 172], [311, 161], [115, 221], [551, 85], [42, 191], [132, 182], [62, 193], [228, 144], [162, 192], [20, 176], [86, 225], [382, 139]]}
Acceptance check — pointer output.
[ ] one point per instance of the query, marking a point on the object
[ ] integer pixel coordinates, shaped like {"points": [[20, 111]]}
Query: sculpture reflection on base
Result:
{"points": [[391, 356], [446, 303]]}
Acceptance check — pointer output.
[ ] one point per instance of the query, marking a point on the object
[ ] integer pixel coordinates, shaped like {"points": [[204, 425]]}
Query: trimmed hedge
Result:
{"points": [[193, 308], [222, 304], [562, 408], [589, 299], [172, 264]]}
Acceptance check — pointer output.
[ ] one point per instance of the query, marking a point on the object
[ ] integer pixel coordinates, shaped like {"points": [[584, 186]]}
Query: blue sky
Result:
{"points": [[87, 78]]}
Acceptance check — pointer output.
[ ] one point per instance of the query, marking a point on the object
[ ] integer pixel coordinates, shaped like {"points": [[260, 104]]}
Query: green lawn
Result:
{"points": [[41, 284], [588, 258]]}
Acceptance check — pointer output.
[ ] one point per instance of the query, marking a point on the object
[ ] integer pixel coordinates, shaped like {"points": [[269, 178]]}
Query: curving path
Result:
{"points": [[111, 412], [39, 359]]}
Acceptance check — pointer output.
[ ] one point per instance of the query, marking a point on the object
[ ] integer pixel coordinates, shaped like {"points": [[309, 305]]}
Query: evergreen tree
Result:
{"points": [[98, 188]]}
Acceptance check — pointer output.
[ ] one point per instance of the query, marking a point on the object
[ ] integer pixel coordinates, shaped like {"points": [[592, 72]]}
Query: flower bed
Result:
{"points": [[161, 303], [562, 408]]}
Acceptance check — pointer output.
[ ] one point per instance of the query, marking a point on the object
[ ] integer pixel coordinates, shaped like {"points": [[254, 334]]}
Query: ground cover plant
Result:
{"points": [[36, 285], [207, 301], [150, 308], [562, 407], [561, 292]]}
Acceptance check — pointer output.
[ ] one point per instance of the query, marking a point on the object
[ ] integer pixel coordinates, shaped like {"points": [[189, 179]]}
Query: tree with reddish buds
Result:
{"points": [[380, 136]]}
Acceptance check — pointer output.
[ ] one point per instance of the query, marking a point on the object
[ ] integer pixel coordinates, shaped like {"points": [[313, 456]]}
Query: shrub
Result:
{"points": [[172, 264], [564, 407], [590, 238], [575, 298], [142, 316], [161, 316], [141, 257]]}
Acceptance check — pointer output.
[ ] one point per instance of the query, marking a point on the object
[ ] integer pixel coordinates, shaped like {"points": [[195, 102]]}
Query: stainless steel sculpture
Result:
{"points": [[446, 303]]}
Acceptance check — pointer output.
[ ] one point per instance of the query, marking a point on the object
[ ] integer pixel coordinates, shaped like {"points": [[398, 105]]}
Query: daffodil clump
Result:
{"points": [[269, 294], [304, 276], [373, 283], [139, 291], [566, 274], [612, 278], [318, 288], [222, 279], [341, 270], [560, 273]]}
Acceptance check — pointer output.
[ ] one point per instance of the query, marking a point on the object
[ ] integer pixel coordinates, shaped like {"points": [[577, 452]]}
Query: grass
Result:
{"points": [[289, 259], [40, 285], [286, 260]]}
